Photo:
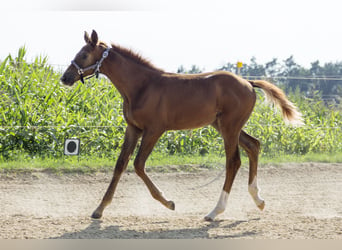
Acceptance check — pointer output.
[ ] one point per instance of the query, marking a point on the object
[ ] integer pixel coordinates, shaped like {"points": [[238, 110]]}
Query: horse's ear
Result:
{"points": [[94, 38], [91, 40], [86, 37]]}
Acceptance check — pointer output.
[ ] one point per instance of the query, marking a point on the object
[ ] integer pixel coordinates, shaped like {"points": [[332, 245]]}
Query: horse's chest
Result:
{"points": [[132, 116]]}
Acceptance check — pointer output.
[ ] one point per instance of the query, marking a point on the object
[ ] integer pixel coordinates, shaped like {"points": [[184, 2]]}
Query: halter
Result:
{"points": [[95, 66]]}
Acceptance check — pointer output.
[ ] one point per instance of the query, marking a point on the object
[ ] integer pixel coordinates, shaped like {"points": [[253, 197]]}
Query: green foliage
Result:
{"points": [[37, 113], [321, 133]]}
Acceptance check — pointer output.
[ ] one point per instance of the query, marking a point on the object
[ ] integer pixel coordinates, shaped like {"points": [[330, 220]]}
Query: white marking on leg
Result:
{"points": [[220, 207], [253, 189]]}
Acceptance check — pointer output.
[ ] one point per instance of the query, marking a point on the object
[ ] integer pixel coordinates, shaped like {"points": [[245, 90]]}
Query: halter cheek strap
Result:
{"points": [[95, 67]]}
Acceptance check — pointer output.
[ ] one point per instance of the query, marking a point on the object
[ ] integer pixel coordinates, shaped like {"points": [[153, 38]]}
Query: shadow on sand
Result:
{"points": [[96, 231]]}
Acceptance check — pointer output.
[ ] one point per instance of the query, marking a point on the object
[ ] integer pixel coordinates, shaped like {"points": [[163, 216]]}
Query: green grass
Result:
{"points": [[156, 163]]}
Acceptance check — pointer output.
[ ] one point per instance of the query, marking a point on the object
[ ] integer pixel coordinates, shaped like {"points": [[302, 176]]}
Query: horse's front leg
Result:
{"points": [[131, 138], [147, 143]]}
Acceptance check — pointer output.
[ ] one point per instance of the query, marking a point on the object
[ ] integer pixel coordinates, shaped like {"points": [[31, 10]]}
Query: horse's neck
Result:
{"points": [[127, 76]]}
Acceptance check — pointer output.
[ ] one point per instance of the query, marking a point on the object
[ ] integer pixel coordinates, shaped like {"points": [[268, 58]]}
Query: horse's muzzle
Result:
{"points": [[67, 80]]}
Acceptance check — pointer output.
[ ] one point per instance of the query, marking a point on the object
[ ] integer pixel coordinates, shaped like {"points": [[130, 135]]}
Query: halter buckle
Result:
{"points": [[80, 71]]}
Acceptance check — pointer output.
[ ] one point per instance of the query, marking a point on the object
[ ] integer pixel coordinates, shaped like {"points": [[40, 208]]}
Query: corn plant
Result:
{"points": [[37, 113]]}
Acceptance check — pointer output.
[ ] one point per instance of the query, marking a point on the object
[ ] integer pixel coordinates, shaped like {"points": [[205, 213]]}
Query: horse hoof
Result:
{"points": [[96, 215], [207, 218], [171, 205], [262, 205]]}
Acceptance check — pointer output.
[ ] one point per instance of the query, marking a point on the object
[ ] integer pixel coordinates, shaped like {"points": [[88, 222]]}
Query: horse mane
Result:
{"points": [[128, 53]]}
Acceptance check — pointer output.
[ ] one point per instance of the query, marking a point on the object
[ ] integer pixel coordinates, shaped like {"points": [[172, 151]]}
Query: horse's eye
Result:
{"points": [[84, 57]]}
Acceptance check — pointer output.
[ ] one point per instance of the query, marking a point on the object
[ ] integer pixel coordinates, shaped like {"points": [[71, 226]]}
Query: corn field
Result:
{"points": [[37, 114]]}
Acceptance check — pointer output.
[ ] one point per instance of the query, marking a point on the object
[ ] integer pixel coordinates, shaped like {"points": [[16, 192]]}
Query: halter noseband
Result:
{"points": [[95, 66]]}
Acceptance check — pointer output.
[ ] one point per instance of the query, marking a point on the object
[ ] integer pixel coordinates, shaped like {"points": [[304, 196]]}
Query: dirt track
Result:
{"points": [[302, 201]]}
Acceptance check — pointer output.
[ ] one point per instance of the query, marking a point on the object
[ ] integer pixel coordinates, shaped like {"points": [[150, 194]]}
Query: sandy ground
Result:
{"points": [[303, 201]]}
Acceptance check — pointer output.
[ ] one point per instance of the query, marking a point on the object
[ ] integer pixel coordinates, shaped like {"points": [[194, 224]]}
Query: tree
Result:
{"points": [[254, 69], [272, 68], [194, 70]]}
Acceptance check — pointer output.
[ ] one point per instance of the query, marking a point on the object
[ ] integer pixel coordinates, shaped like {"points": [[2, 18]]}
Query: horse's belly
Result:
{"points": [[191, 119]]}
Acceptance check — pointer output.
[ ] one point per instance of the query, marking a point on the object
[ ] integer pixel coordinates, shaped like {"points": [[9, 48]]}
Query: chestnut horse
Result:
{"points": [[155, 101]]}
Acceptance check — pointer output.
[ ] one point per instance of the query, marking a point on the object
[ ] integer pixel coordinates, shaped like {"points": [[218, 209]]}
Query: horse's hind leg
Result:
{"points": [[147, 143], [233, 163], [131, 138], [252, 147]]}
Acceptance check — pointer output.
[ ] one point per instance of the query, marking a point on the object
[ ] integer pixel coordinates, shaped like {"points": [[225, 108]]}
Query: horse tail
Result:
{"points": [[277, 97]]}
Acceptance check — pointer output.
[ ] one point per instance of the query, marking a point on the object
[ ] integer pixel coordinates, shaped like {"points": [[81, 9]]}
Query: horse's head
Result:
{"points": [[87, 61]]}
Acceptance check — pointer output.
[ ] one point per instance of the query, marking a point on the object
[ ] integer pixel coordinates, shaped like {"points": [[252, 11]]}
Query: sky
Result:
{"points": [[169, 33]]}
